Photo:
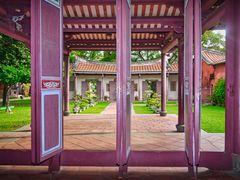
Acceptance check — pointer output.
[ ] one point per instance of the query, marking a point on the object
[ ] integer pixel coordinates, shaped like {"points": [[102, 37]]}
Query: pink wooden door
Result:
{"points": [[46, 54], [123, 81]]}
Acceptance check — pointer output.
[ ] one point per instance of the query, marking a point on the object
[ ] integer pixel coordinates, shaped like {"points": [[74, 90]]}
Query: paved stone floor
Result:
{"points": [[110, 173], [98, 132]]}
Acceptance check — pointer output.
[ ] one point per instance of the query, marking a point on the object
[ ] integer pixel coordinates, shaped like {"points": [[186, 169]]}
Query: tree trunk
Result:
{"points": [[5, 89], [7, 99]]}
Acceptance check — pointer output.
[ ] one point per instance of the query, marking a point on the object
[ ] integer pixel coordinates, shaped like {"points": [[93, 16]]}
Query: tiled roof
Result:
{"points": [[213, 57], [210, 57], [110, 68]]}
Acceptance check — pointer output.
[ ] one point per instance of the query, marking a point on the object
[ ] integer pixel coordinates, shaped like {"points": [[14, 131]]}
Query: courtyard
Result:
{"points": [[97, 131]]}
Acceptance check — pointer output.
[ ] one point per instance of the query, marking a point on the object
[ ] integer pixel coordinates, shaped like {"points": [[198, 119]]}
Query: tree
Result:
{"points": [[138, 56], [110, 56], [218, 97], [213, 40], [14, 66]]}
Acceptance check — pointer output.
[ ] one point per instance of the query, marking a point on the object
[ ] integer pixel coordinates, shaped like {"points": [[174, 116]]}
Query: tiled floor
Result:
{"points": [[110, 173], [98, 132]]}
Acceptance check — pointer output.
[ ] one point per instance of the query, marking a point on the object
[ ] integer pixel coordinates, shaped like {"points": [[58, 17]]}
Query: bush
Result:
{"points": [[153, 100], [218, 97], [81, 104], [26, 89]]}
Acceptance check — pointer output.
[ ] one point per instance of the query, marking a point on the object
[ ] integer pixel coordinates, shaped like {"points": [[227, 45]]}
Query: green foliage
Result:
{"points": [[138, 56], [110, 56], [218, 97], [26, 88], [15, 61], [152, 100], [213, 40], [81, 104], [14, 65]]}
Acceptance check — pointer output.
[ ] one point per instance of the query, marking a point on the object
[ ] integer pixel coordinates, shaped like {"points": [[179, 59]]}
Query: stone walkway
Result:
{"points": [[98, 132], [111, 109]]}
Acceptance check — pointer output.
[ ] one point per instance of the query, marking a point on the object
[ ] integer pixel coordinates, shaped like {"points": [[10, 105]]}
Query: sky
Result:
{"points": [[223, 32]]}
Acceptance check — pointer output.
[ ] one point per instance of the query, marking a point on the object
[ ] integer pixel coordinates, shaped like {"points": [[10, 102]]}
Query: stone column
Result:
{"points": [[102, 88], [180, 125], [163, 111], [75, 84], [139, 88], [66, 85]]}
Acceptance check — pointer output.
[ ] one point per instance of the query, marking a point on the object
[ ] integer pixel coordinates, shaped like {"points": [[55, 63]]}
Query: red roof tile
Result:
{"points": [[213, 57], [150, 67]]}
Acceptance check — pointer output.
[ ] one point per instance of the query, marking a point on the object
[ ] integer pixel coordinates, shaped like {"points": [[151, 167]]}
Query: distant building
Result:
{"points": [[213, 69], [144, 75]]}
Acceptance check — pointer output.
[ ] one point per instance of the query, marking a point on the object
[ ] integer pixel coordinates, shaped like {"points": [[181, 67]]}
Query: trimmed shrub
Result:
{"points": [[81, 104], [218, 97]]}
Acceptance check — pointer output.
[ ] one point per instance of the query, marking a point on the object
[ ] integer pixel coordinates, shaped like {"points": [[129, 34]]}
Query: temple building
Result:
{"points": [[145, 76]]}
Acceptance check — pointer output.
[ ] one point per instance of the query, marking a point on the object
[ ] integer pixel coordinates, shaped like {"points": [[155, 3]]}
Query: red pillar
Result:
{"points": [[180, 125], [163, 111], [123, 83], [192, 81], [66, 85], [232, 143]]}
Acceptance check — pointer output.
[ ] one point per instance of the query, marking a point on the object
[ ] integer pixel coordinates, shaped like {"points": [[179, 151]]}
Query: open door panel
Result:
{"points": [[46, 55]]}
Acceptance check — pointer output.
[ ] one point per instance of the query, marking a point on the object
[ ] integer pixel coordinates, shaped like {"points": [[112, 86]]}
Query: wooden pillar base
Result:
{"points": [[236, 163], [163, 113], [66, 113], [54, 164], [193, 170], [123, 169], [180, 127]]}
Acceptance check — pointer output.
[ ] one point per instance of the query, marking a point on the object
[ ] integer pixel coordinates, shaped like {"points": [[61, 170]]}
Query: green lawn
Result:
{"points": [[20, 117], [142, 110], [97, 109], [213, 117]]}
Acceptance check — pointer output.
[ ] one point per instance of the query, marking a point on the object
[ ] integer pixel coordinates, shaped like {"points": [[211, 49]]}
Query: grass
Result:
{"points": [[213, 117], [97, 109], [20, 117], [139, 102], [142, 110]]}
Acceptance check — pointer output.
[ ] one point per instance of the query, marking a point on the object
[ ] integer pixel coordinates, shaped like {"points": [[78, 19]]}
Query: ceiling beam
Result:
{"points": [[90, 41], [9, 30], [97, 2], [168, 20], [3, 11], [113, 30], [100, 47], [214, 18], [149, 48], [207, 4], [170, 45]]}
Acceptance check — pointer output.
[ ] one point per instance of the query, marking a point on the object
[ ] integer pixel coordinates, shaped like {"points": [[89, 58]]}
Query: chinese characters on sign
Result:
{"points": [[51, 84]]}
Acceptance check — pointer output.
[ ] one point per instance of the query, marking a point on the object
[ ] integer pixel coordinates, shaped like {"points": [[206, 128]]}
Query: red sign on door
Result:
{"points": [[51, 84]]}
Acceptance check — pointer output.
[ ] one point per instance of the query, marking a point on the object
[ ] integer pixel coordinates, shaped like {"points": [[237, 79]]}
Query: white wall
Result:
{"points": [[172, 95]]}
